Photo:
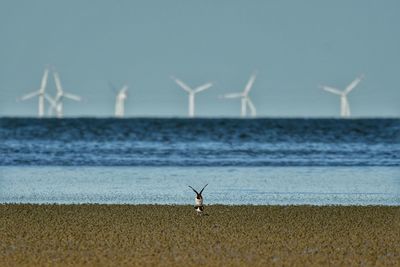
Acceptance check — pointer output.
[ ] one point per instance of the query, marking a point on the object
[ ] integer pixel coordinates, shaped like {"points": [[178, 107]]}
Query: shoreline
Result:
{"points": [[173, 235], [208, 205]]}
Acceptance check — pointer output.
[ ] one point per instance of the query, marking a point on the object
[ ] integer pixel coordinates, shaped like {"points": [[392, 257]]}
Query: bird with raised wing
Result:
{"points": [[198, 201]]}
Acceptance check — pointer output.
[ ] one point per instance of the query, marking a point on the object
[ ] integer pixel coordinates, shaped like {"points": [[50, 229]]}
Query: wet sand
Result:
{"points": [[142, 235]]}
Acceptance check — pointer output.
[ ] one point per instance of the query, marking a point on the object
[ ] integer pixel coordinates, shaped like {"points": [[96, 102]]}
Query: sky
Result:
{"points": [[294, 46]]}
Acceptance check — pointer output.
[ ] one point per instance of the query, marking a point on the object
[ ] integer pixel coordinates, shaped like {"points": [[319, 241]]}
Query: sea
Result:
{"points": [[243, 161]]}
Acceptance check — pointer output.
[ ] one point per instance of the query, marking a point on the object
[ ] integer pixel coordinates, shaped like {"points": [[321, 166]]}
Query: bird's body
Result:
{"points": [[199, 209], [198, 201]]}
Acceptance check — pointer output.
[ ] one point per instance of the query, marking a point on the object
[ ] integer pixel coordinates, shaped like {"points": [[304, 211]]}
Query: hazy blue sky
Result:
{"points": [[294, 45]]}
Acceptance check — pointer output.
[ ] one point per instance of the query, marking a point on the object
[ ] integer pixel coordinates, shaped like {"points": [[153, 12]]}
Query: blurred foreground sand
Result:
{"points": [[142, 235]]}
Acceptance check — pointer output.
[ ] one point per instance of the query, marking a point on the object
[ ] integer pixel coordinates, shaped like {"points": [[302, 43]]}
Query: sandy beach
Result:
{"points": [[140, 235]]}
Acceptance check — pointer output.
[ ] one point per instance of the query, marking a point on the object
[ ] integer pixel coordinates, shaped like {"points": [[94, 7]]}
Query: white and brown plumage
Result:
{"points": [[198, 201]]}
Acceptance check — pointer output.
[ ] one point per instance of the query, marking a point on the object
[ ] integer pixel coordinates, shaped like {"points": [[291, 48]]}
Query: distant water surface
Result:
{"points": [[245, 161], [227, 185], [199, 142]]}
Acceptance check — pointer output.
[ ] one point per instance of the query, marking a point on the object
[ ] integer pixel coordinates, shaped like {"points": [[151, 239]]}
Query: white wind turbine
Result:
{"points": [[61, 95], [344, 103], [40, 94], [245, 99], [192, 93], [120, 98]]}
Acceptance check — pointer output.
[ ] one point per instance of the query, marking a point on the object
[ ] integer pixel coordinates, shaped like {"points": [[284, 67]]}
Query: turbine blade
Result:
{"points": [[30, 95], [72, 97], [58, 97], [233, 95], [50, 100], [57, 81], [253, 109], [53, 104], [203, 87], [353, 84], [183, 85], [250, 83], [124, 89], [331, 90], [44, 80]]}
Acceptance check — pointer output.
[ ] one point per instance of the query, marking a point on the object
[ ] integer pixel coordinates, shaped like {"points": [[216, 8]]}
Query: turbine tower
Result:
{"points": [[245, 98], [344, 103], [120, 98], [192, 93], [61, 95], [40, 94]]}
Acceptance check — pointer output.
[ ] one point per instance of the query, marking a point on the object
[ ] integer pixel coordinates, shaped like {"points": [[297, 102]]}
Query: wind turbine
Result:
{"points": [[344, 103], [245, 99], [40, 94], [192, 93], [61, 95], [120, 98]]}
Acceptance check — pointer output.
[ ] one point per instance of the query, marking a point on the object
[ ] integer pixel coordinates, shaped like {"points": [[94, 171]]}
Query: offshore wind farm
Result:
{"points": [[56, 103], [293, 57], [280, 119]]}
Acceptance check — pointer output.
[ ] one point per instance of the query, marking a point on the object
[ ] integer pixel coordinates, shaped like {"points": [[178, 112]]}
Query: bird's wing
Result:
{"points": [[193, 189], [203, 189]]}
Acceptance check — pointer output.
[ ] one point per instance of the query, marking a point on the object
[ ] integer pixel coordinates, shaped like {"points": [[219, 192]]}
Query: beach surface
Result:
{"points": [[173, 235]]}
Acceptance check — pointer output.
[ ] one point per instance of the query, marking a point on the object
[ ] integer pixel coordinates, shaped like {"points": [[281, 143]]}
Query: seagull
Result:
{"points": [[198, 201]]}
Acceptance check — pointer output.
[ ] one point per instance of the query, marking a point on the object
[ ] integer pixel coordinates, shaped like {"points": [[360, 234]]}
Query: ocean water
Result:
{"points": [[255, 161], [227, 185], [200, 142]]}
